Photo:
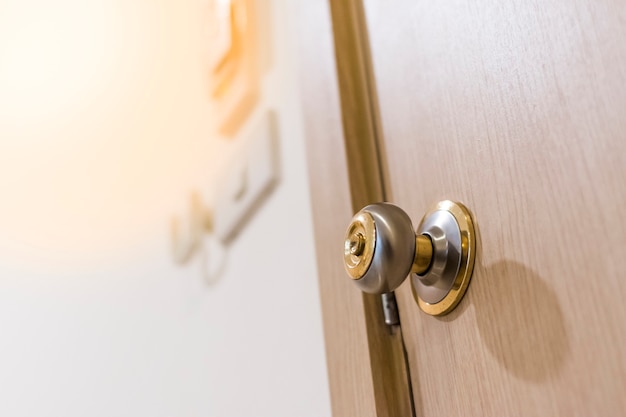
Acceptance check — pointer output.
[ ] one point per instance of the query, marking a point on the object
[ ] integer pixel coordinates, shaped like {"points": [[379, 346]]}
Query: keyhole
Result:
{"points": [[356, 244]]}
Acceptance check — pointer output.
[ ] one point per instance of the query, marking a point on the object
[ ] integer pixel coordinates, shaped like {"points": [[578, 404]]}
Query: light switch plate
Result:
{"points": [[250, 179]]}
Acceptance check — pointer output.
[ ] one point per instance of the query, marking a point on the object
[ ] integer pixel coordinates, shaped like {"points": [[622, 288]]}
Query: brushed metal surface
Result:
{"points": [[436, 283]]}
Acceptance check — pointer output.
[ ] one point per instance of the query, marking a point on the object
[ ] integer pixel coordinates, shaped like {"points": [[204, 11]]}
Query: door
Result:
{"points": [[518, 110]]}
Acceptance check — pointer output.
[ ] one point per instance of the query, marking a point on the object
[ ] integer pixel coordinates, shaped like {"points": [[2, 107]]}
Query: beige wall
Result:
{"points": [[105, 126]]}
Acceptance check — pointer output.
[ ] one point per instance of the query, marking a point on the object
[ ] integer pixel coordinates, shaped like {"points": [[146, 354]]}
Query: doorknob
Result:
{"points": [[381, 248]]}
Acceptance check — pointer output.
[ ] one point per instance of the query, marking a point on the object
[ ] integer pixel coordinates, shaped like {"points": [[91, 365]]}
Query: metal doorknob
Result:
{"points": [[381, 248]]}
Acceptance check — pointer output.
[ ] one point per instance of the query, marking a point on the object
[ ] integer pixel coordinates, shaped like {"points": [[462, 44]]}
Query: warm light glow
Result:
{"points": [[54, 54], [104, 123]]}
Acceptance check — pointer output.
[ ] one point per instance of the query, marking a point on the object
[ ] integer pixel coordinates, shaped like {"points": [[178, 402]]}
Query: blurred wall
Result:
{"points": [[105, 127]]}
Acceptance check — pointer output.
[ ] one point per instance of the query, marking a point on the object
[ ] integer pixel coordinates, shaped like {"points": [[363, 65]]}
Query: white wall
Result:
{"points": [[105, 126]]}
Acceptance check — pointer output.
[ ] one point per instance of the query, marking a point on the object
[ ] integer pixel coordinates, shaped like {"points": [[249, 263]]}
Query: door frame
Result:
{"points": [[366, 359]]}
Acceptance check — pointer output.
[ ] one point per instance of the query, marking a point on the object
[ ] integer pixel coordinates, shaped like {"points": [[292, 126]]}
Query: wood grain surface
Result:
{"points": [[518, 110], [366, 359]]}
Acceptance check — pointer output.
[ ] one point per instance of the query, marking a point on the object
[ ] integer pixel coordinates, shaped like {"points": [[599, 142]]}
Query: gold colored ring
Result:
{"points": [[360, 242], [464, 220]]}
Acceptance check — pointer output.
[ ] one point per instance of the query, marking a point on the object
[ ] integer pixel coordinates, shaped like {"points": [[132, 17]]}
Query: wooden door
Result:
{"points": [[517, 109]]}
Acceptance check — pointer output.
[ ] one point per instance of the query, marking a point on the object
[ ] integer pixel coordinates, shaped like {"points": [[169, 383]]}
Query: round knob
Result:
{"points": [[381, 248]]}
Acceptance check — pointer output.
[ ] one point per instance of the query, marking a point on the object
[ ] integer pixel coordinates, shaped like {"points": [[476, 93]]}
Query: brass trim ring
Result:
{"points": [[362, 232], [465, 223]]}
